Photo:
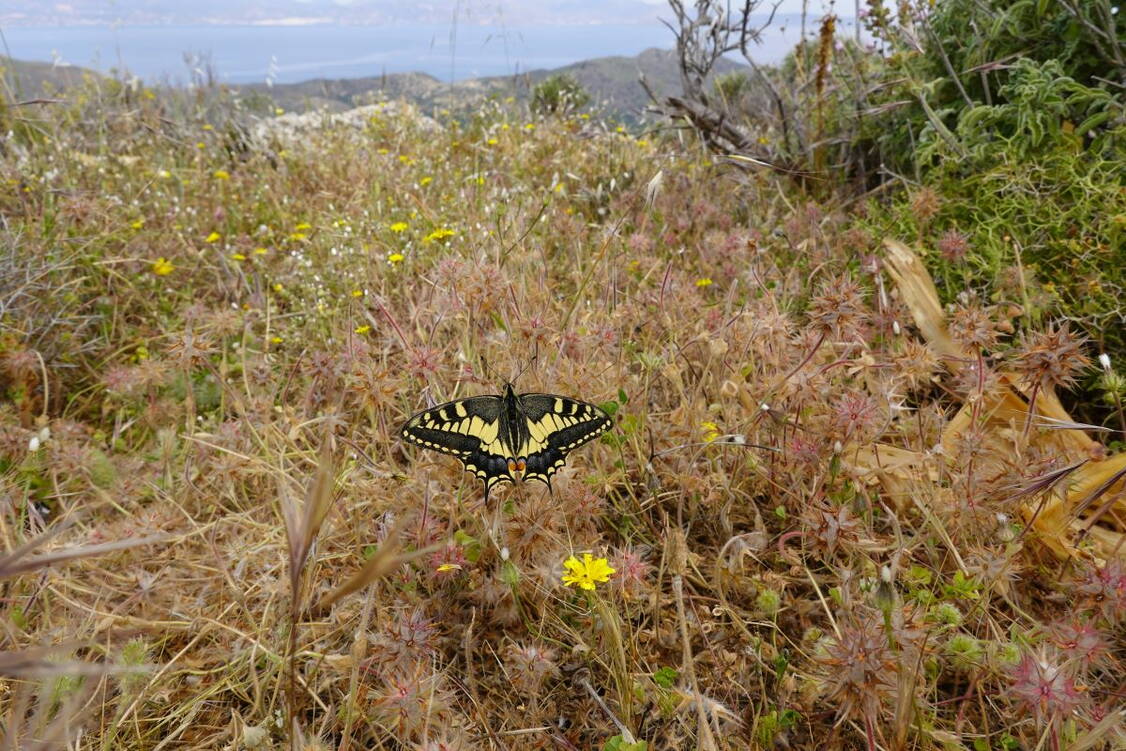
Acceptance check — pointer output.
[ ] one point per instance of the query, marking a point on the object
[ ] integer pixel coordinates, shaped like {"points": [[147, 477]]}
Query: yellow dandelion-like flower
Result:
{"points": [[276, 340], [221, 174], [383, 151], [238, 257], [425, 181], [298, 236], [711, 431], [279, 287], [704, 282], [302, 226], [162, 267], [357, 293], [620, 129], [260, 251], [586, 573], [448, 567], [138, 224], [480, 180], [200, 145], [492, 142], [439, 234], [214, 237], [530, 126], [504, 126], [279, 111], [399, 227], [642, 142], [207, 126], [362, 329], [406, 160], [394, 258]]}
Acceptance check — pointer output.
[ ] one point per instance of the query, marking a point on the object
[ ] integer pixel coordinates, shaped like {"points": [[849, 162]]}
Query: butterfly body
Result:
{"points": [[498, 438]]}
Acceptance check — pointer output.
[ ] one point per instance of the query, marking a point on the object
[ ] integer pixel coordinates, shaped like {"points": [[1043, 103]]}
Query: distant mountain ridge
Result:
{"points": [[612, 82]]}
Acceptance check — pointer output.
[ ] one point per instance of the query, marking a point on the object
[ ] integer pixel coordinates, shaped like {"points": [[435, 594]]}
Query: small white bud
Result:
{"points": [[504, 553], [895, 328], [33, 444], [838, 447], [1104, 360], [764, 407]]}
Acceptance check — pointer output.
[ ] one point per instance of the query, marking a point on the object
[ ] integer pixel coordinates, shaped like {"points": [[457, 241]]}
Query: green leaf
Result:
{"points": [[610, 408], [622, 396], [665, 677]]}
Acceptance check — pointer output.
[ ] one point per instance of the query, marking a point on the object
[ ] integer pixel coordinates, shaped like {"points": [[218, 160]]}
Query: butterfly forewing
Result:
{"points": [[490, 434]]}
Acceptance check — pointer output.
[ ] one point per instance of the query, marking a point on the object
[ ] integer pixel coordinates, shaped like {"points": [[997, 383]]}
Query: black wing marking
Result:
{"points": [[468, 429], [557, 425]]}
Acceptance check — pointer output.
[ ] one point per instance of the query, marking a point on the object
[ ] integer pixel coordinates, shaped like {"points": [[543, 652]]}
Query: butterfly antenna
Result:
{"points": [[528, 364]]}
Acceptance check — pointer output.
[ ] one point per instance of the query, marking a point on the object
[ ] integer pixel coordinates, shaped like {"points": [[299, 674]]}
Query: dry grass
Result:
{"points": [[917, 559]]}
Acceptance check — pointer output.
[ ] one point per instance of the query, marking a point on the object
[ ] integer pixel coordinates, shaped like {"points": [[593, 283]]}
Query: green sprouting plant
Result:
{"points": [[558, 94]]}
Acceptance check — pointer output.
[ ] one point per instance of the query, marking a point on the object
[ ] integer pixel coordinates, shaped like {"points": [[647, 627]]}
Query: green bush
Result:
{"points": [[558, 95]]}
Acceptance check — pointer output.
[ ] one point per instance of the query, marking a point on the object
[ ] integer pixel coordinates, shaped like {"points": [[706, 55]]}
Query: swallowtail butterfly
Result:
{"points": [[497, 437]]}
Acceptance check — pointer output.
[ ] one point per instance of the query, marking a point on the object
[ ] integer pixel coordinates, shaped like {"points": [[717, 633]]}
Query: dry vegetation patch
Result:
{"points": [[839, 515]]}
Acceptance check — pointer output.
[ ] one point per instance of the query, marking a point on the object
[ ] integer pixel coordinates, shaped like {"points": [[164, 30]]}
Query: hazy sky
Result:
{"points": [[481, 12]]}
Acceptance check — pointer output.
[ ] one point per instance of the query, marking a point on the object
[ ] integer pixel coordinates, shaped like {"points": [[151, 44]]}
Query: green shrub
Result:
{"points": [[558, 94]]}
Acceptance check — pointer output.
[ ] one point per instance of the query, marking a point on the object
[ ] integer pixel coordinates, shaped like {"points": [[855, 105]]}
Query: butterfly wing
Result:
{"points": [[556, 426], [468, 429]]}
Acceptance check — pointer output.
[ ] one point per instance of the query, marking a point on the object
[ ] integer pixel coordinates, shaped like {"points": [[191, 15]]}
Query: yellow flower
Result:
{"points": [[480, 180], [395, 257], [642, 142], [279, 111], [297, 236], [200, 145], [492, 142], [222, 174], [448, 567], [363, 329], [383, 151], [711, 431], [504, 126], [439, 234], [278, 287], [425, 181], [164, 173], [207, 127], [406, 159], [214, 237], [703, 282], [162, 267], [399, 227], [530, 126], [238, 257], [587, 572], [277, 340], [301, 227], [138, 224], [260, 251], [357, 293], [620, 129]]}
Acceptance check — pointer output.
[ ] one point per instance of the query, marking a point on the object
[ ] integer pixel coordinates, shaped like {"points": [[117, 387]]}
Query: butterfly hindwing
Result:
{"points": [[556, 425], [468, 429]]}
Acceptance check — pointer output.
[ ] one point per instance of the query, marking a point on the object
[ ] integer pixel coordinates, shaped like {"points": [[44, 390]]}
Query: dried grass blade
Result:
{"points": [[12, 567]]}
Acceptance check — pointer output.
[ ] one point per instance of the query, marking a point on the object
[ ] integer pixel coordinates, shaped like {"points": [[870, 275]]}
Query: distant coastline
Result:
{"points": [[292, 49]]}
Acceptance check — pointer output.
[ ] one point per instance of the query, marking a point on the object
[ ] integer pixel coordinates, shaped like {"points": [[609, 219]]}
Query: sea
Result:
{"points": [[289, 54]]}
